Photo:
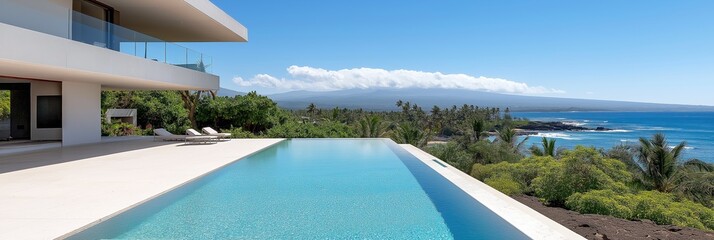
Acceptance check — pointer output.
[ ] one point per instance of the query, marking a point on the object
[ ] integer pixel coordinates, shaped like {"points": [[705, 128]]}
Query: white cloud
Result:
{"points": [[317, 79]]}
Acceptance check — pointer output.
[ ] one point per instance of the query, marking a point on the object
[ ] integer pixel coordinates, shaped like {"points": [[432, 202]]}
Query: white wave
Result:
{"points": [[605, 121], [657, 129], [686, 147], [610, 131], [618, 130], [554, 135], [573, 123]]}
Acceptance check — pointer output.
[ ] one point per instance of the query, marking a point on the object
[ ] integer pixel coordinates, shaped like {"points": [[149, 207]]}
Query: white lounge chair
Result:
{"points": [[210, 131], [162, 134], [195, 136]]}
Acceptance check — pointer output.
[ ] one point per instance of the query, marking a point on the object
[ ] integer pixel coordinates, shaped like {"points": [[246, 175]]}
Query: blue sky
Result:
{"points": [[650, 51]]}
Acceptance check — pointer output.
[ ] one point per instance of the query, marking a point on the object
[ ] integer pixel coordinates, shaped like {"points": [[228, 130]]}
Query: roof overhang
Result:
{"points": [[179, 20]]}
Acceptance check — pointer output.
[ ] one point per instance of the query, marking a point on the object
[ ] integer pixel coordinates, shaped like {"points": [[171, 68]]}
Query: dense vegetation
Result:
{"points": [[644, 181], [4, 104]]}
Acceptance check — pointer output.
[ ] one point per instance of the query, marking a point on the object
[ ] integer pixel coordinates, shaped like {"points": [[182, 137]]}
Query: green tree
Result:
{"points": [[312, 109], [156, 109], [190, 103], [697, 182], [4, 104], [323, 129], [661, 164], [478, 129], [509, 136], [372, 127], [251, 112], [548, 148], [410, 133]]}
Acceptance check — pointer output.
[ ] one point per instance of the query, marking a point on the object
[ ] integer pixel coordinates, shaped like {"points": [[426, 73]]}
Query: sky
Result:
{"points": [[635, 50]]}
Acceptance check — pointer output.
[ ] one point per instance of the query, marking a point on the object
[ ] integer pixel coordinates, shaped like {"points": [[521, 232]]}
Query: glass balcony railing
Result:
{"points": [[60, 21], [100, 33]]}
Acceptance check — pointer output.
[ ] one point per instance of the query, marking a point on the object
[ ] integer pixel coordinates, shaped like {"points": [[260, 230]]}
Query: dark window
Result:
{"points": [[49, 111]]}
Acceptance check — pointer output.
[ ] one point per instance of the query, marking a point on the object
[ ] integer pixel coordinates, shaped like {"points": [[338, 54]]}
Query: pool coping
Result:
{"points": [[530, 222], [89, 225]]}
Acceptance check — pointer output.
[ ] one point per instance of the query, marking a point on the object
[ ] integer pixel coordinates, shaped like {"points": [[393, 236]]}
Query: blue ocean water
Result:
{"points": [[313, 189], [696, 128]]}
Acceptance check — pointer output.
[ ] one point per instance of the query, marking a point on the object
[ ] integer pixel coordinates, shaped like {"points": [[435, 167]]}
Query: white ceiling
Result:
{"points": [[179, 20]]}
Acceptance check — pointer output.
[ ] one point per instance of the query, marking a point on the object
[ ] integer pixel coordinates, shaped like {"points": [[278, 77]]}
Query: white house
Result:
{"points": [[56, 56]]}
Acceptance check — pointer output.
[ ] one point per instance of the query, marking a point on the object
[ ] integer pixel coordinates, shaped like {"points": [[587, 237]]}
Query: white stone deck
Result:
{"points": [[48, 194]]}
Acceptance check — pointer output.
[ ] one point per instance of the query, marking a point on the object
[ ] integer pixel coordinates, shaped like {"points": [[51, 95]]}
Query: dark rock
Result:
{"points": [[601, 236], [557, 126]]}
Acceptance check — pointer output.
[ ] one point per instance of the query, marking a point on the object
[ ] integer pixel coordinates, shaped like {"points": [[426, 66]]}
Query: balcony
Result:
{"points": [[64, 22], [93, 31]]}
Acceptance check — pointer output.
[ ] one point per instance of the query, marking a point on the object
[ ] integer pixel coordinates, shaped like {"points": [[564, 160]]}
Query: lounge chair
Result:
{"points": [[211, 132], [162, 134], [196, 136]]}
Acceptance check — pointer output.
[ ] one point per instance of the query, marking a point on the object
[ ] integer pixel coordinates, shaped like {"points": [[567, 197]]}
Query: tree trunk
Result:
{"points": [[190, 102]]}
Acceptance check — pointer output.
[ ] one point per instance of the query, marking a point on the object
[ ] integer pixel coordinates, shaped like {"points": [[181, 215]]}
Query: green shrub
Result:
{"points": [[325, 129], [522, 172], [580, 170], [4, 104], [251, 112], [603, 202], [666, 208], [532, 167], [661, 208], [505, 184], [121, 129], [452, 154], [494, 152], [240, 133]]}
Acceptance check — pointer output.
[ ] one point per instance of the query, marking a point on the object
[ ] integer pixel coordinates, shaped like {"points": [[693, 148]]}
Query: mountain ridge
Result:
{"points": [[385, 99]]}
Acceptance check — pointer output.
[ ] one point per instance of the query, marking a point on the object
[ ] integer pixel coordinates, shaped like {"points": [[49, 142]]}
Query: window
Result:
{"points": [[49, 111]]}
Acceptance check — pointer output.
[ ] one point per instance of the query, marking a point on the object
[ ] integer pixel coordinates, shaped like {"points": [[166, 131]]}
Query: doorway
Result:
{"points": [[14, 111]]}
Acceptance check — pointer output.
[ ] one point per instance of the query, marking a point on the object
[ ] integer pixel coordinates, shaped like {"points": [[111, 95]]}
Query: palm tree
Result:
{"points": [[478, 128], [697, 181], [311, 109], [509, 136], [660, 163], [547, 150], [409, 133], [372, 127]]}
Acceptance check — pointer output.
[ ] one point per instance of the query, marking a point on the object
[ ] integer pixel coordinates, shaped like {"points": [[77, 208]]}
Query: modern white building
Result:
{"points": [[56, 56]]}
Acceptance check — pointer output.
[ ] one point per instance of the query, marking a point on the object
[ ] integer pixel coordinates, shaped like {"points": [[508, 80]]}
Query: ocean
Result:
{"points": [[696, 128]]}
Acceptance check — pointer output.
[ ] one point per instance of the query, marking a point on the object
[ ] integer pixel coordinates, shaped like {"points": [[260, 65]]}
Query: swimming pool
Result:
{"points": [[313, 189]]}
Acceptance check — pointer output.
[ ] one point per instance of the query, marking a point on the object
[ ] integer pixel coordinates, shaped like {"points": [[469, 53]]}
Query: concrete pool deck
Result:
{"points": [[530, 222], [48, 194]]}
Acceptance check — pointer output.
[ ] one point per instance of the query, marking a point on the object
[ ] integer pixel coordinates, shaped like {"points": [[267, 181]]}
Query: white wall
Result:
{"points": [[47, 16], [33, 55], [43, 88], [81, 113]]}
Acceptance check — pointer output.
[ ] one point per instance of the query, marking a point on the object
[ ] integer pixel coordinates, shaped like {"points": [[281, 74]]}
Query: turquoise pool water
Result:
{"points": [[313, 189]]}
